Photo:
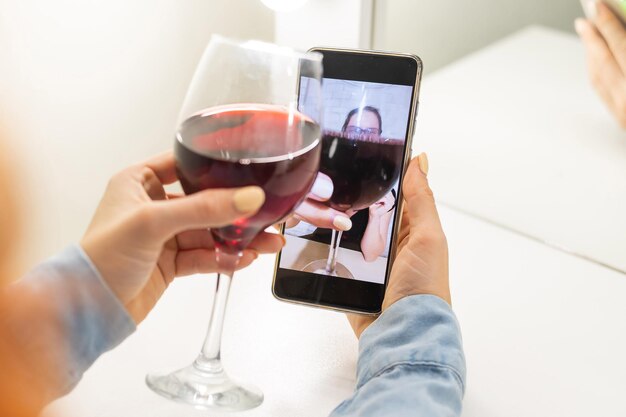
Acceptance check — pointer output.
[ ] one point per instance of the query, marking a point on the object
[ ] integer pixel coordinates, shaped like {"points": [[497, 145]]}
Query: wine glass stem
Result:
{"points": [[332, 253], [209, 358]]}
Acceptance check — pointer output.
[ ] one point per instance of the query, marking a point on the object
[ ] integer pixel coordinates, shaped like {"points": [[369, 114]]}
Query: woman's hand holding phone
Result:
{"points": [[604, 38], [141, 238], [421, 264]]}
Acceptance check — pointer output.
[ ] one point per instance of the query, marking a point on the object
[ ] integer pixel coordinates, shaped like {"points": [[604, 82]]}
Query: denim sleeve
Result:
{"points": [[411, 363], [62, 318]]}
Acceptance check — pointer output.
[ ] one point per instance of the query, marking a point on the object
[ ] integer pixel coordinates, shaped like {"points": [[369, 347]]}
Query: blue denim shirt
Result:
{"points": [[411, 360], [411, 363], [65, 318]]}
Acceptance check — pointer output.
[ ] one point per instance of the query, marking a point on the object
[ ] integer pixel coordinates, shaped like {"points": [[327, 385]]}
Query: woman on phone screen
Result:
{"points": [[366, 230]]}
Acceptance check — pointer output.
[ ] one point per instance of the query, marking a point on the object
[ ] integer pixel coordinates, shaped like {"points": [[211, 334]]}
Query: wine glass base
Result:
{"points": [[319, 267], [205, 390]]}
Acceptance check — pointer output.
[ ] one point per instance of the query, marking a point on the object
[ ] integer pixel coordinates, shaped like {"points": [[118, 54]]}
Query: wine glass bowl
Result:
{"points": [[363, 167], [249, 144]]}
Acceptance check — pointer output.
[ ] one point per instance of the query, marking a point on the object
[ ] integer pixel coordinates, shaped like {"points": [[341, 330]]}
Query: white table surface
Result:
{"points": [[516, 135], [544, 331], [544, 334]]}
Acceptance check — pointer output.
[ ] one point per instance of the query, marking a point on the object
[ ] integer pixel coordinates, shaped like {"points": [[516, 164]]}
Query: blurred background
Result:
{"points": [[516, 137], [442, 32], [89, 87]]}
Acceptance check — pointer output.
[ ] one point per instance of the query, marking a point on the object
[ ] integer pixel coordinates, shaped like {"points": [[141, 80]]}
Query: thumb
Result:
{"points": [[207, 209], [322, 188], [419, 200]]}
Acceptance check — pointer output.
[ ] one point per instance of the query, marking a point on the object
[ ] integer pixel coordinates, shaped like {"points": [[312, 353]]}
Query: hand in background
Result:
{"points": [[421, 264], [140, 238], [317, 214], [605, 44], [383, 206]]}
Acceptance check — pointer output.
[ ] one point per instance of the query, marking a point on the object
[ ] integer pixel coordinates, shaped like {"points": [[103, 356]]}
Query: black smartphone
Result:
{"points": [[370, 105]]}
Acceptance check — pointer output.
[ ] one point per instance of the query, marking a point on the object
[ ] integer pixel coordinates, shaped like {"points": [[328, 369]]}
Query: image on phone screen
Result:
{"points": [[364, 129]]}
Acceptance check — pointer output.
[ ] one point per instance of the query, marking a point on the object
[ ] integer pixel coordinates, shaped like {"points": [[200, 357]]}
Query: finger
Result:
{"points": [[202, 261], [248, 256], [205, 209], [155, 172], [613, 32], [152, 185], [201, 239], [421, 210], [164, 167], [322, 216], [404, 225], [267, 243], [604, 71], [291, 222], [195, 239], [322, 188]]}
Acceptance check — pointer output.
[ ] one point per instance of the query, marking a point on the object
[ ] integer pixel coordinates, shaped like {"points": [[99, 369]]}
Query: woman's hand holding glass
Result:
{"points": [[317, 214], [141, 238], [314, 212]]}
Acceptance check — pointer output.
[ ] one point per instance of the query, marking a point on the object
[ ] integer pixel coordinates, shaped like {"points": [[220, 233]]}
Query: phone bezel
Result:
{"points": [[309, 288]]}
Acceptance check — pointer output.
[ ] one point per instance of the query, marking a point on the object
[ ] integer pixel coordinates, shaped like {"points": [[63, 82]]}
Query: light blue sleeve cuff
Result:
{"points": [[85, 314], [416, 330]]}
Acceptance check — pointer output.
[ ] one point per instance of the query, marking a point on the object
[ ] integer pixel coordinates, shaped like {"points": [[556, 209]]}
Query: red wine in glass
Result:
{"points": [[249, 144], [363, 168]]}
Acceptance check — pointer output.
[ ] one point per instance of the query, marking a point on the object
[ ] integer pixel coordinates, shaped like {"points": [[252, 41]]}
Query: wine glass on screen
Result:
{"points": [[240, 126], [363, 166]]}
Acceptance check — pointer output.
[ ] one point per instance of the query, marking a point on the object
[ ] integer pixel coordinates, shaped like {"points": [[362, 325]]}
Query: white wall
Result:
{"points": [[342, 96], [338, 23], [89, 87], [443, 31]]}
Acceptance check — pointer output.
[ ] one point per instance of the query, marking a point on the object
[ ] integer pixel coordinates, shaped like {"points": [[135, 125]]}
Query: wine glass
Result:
{"points": [[240, 126], [364, 167]]}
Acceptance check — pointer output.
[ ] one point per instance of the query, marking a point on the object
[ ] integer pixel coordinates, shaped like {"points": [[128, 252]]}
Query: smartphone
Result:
{"points": [[617, 6], [370, 101]]}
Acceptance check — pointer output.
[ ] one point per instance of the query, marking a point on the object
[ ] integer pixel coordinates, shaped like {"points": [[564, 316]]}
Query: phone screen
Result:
{"points": [[365, 125]]}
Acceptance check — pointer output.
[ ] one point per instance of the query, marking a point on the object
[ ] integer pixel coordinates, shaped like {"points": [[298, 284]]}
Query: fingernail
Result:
{"points": [[592, 9], [322, 188], [248, 199], [579, 24], [255, 254], [422, 160], [342, 223], [284, 239]]}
